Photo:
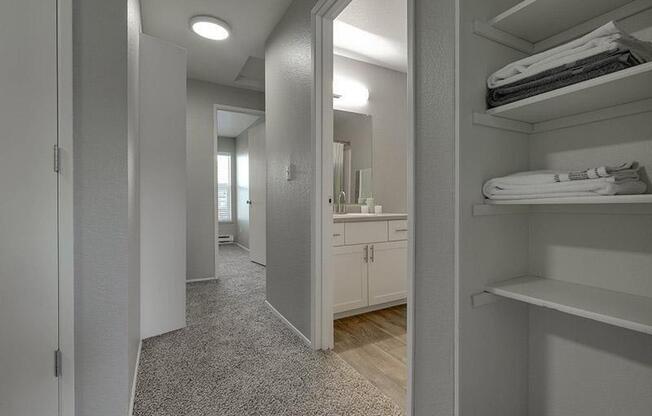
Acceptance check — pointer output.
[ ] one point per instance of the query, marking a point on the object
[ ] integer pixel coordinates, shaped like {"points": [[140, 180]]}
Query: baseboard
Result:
{"points": [[205, 279], [367, 309], [135, 379], [288, 324], [241, 246]]}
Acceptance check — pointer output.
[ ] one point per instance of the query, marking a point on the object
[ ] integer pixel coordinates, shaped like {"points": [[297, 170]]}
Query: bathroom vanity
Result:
{"points": [[369, 262]]}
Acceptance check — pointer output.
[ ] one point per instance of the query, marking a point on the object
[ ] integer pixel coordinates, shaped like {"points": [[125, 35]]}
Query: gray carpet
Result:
{"points": [[237, 358]]}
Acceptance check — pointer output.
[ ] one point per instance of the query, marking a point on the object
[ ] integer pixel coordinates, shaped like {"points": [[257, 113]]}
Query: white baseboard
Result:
{"points": [[241, 246], [288, 324], [205, 279], [135, 379], [367, 309]]}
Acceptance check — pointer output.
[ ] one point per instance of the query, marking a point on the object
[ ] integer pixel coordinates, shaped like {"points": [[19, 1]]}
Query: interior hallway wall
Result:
{"points": [[202, 96], [133, 155], [387, 107], [104, 186], [227, 145], [288, 86]]}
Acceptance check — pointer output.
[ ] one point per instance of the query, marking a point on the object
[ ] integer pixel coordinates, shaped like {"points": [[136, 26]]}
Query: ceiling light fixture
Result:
{"points": [[210, 27], [349, 93]]}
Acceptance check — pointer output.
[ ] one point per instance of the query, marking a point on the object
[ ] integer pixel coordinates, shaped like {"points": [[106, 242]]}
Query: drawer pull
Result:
{"points": [[337, 235], [401, 230]]}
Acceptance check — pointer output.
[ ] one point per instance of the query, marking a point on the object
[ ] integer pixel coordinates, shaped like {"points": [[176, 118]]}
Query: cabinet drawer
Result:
{"points": [[398, 230], [365, 232], [338, 234]]}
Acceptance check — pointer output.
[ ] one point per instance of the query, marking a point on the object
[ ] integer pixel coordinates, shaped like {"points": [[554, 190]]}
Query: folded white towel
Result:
{"points": [[601, 186], [604, 39], [621, 179]]}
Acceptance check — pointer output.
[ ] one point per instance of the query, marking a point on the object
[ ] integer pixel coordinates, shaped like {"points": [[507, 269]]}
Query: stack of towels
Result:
{"points": [[605, 50], [606, 180]]}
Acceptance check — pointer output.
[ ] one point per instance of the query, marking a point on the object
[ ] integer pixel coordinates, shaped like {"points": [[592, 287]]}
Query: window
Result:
{"points": [[224, 190]]}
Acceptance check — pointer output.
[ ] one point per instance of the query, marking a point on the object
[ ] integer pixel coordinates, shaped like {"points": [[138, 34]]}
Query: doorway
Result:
{"points": [[240, 181], [354, 276]]}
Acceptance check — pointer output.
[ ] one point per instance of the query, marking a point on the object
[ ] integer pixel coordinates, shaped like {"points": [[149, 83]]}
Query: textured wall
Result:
{"points": [[388, 107], [202, 96], [101, 216], [434, 207], [134, 28], [288, 85]]}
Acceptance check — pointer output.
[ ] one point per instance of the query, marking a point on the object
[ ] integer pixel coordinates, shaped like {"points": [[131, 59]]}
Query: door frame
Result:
{"points": [[235, 109], [65, 207], [321, 334]]}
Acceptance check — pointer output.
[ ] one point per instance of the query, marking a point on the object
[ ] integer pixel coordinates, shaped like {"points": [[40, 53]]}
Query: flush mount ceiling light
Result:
{"points": [[210, 27]]}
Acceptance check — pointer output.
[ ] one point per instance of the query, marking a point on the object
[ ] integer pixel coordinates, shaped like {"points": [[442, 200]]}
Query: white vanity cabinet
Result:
{"points": [[369, 269]]}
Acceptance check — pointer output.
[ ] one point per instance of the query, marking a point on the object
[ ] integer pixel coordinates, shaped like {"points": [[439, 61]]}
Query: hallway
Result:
{"points": [[236, 357]]}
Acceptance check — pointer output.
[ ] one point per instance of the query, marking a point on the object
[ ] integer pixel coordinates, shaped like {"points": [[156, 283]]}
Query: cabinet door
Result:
{"points": [[349, 277], [387, 272]]}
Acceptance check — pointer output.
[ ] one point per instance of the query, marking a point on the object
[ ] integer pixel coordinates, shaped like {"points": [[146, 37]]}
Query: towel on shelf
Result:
{"points": [[589, 68], [607, 38], [606, 180]]}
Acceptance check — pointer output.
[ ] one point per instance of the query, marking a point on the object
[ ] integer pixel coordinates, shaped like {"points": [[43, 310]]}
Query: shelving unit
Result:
{"points": [[616, 199], [610, 307], [536, 20], [622, 87]]}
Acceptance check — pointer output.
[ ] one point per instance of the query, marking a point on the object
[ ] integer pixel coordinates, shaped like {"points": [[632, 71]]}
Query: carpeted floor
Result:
{"points": [[236, 358]]}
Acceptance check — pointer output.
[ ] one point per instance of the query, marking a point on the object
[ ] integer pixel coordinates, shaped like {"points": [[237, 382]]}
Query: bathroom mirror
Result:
{"points": [[352, 157]]}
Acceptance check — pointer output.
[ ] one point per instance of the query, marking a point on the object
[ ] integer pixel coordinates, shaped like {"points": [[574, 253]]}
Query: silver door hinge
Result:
{"points": [[57, 158], [57, 363]]}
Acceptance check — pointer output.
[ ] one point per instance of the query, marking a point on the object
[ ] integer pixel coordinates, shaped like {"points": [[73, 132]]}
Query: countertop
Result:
{"points": [[358, 217]]}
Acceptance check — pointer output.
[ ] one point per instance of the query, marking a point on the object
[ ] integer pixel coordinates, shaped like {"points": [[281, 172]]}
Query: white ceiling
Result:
{"points": [[251, 22], [230, 124], [374, 31]]}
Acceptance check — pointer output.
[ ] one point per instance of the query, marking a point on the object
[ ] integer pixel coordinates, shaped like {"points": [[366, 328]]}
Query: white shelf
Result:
{"points": [[615, 199], [610, 307], [626, 86], [536, 20]]}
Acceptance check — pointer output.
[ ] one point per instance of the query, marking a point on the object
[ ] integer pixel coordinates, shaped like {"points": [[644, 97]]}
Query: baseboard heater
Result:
{"points": [[225, 239]]}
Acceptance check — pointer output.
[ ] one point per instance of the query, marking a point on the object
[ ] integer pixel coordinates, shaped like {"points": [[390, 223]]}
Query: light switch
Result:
{"points": [[289, 172]]}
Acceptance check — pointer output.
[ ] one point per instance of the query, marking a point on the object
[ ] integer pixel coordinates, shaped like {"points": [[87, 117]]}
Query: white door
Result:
{"points": [[28, 208], [387, 272], [242, 188], [349, 280], [257, 194]]}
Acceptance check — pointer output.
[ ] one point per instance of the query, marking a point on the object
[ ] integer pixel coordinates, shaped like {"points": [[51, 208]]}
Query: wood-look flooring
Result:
{"points": [[375, 345]]}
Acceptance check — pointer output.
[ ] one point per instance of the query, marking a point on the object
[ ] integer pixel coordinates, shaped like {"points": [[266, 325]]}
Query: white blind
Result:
{"points": [[224, 191]]}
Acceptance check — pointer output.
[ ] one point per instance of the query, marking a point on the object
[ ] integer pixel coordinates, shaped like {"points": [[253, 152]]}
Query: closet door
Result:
{"points": [[28, 208], [258, 194]]}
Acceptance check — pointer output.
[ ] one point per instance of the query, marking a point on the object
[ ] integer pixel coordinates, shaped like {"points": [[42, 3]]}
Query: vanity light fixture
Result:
{"points": [[210, 27], [351, 93]]}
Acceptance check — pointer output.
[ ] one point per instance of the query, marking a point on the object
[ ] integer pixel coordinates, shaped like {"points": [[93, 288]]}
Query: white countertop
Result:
{"points": [[358, 217]]}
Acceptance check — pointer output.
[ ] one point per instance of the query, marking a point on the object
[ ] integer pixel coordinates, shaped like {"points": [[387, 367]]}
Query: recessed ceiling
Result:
{"points": [[222, 62], [232, 124], [373, 31]]}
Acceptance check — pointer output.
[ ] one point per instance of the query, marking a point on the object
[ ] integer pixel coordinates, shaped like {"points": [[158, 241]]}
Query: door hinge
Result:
{"points": [[57, 363], [56, 158]]}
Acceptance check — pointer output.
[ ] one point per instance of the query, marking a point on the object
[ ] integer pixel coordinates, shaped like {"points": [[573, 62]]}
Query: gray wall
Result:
{"points": [[242, 189], [227, 145], [134, 29], [434, 306], [388, 108], [288, 85], [104, 323], [200, 141], [162, 186]]}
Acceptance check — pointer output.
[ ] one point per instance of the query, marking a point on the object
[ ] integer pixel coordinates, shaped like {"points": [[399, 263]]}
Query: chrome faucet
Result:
{"points": [[341, 208]]}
